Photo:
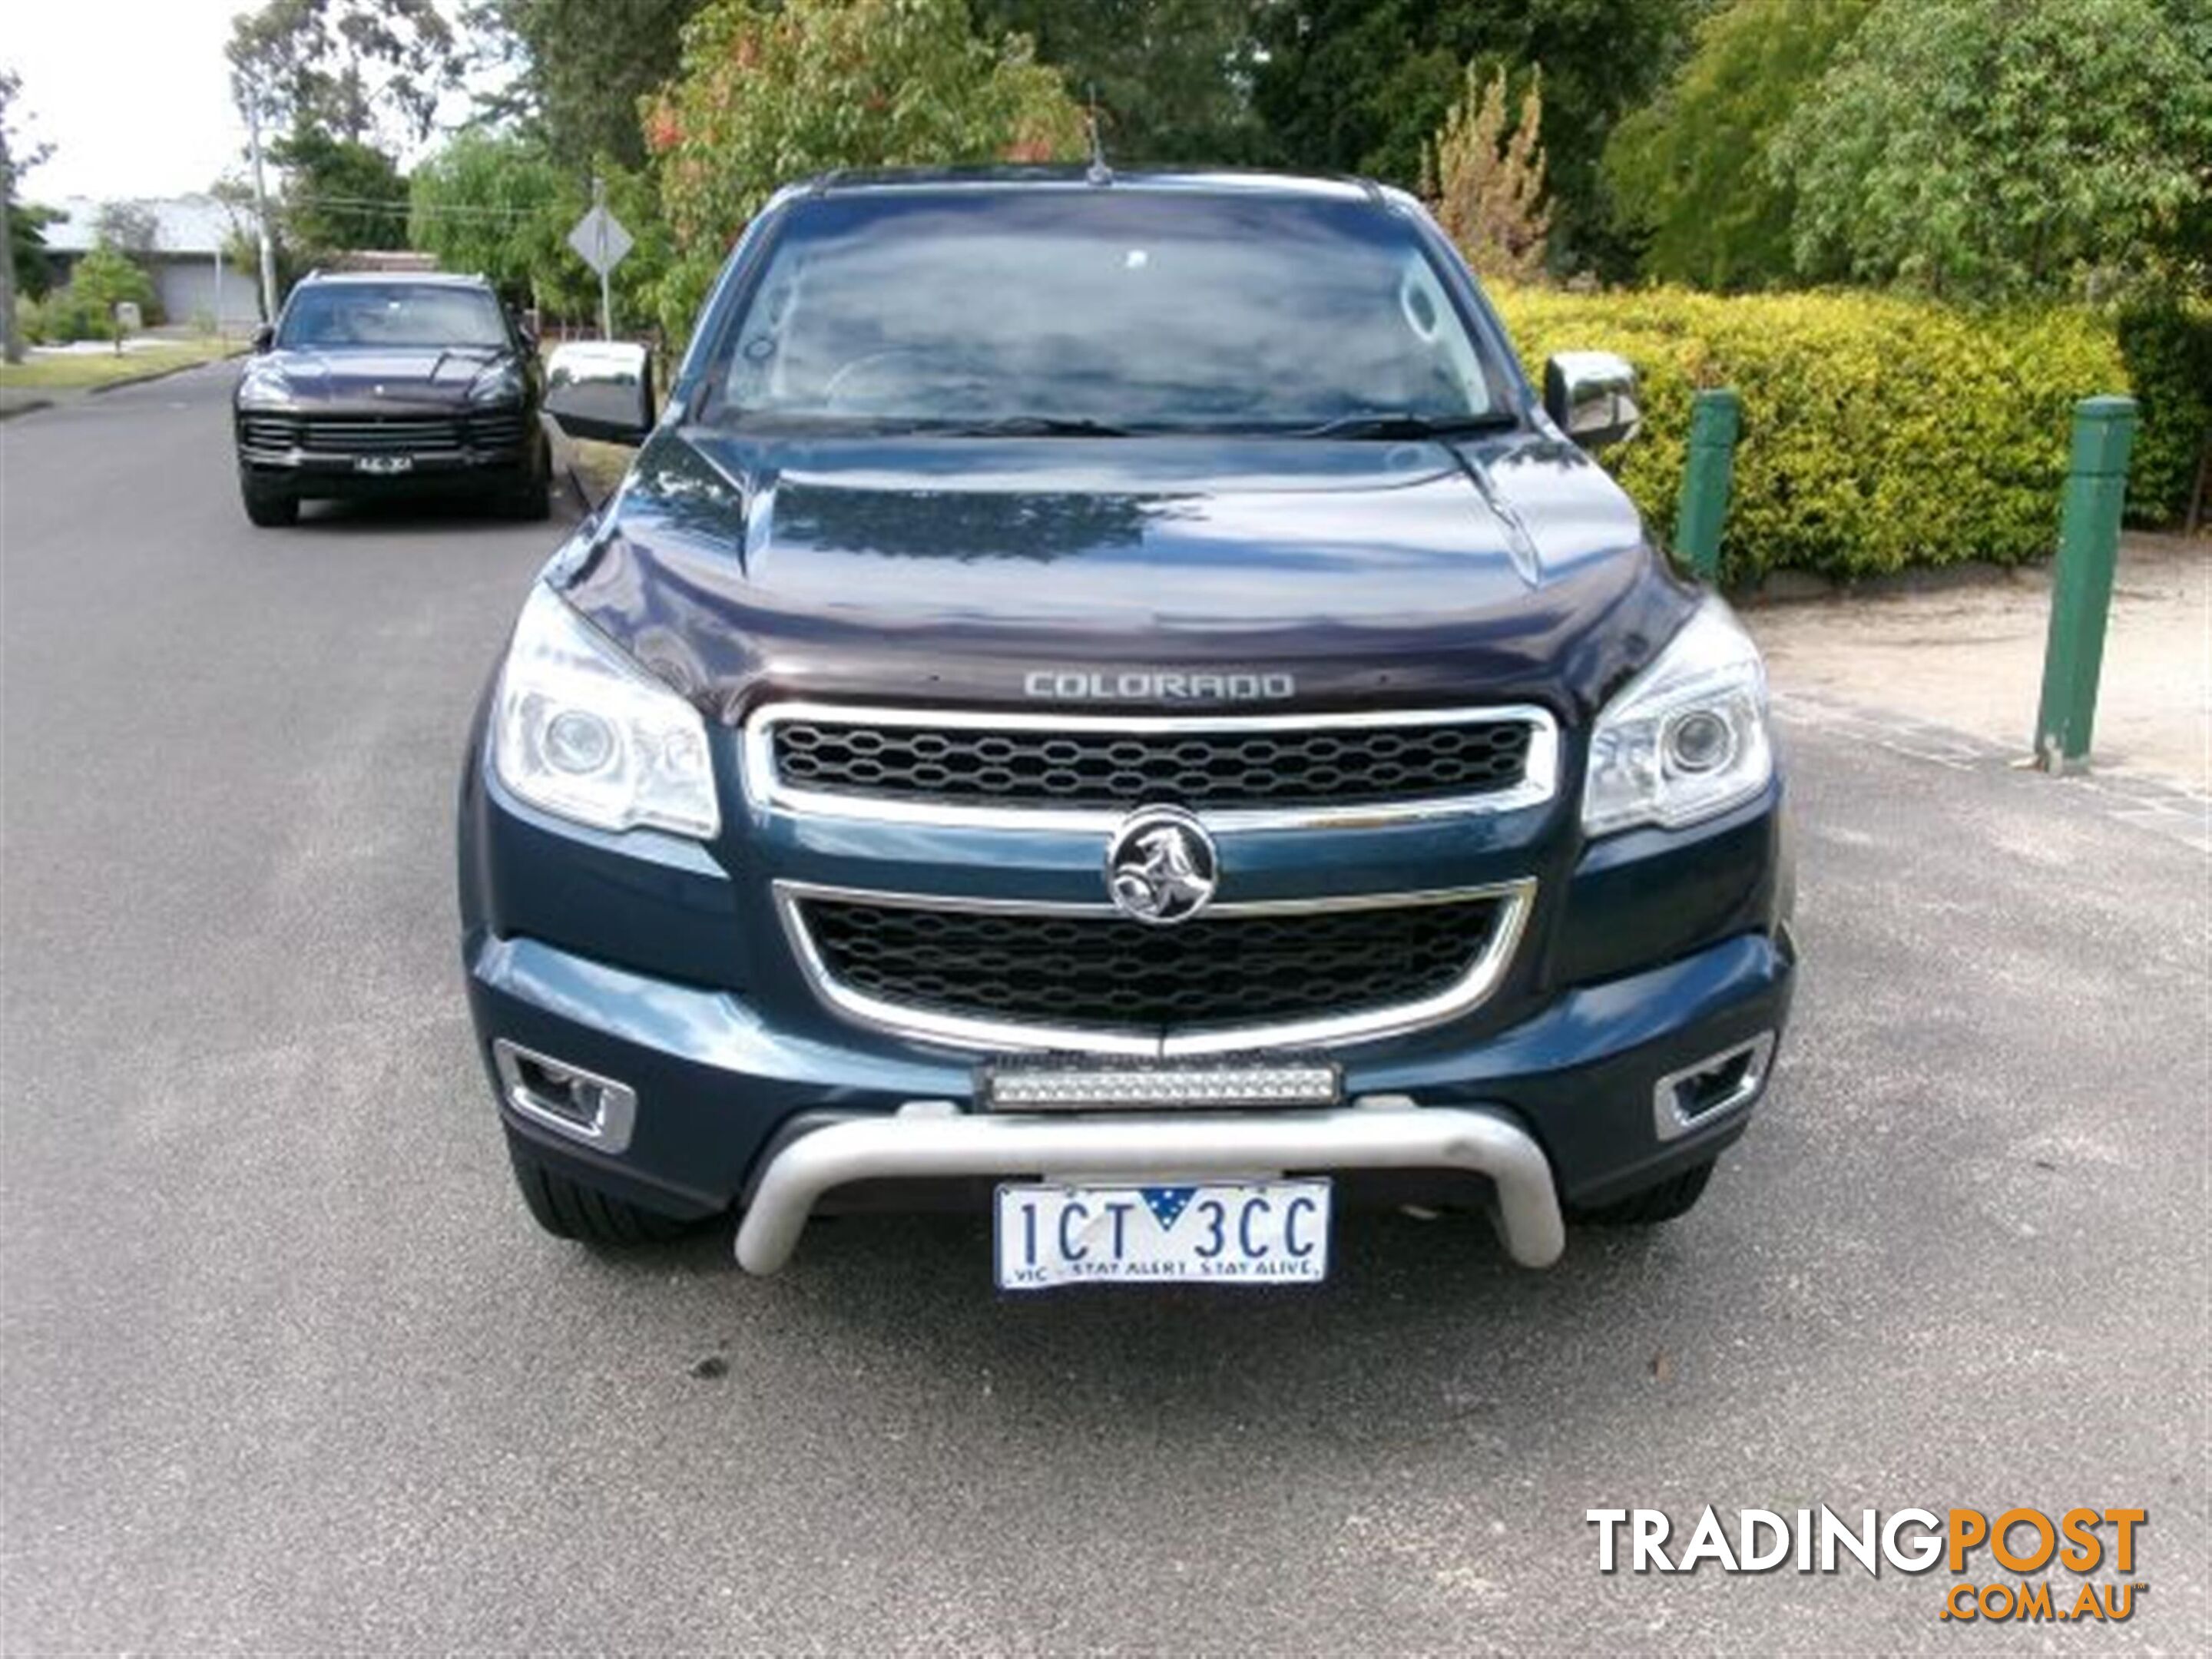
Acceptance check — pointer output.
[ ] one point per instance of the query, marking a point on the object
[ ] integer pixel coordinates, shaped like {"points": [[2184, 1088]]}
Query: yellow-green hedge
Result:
{"points": [[1879, 432]]}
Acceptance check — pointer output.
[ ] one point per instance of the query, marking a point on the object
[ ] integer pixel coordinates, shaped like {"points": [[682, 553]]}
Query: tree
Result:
{"points": [[27, 241], [1688, 173], [350, 82], [767, 95], [2186, 256], [1488, 179], [104, 281], [491, 201], [1172, 78], [583, 68], [18, 156], [339, 193], [1363, 86], [1995, 153], [496, 202], [342, 67]]}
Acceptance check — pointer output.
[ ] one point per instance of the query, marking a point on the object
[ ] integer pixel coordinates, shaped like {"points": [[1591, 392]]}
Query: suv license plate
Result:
{"points": [[1255, 1232], [384, 466]]}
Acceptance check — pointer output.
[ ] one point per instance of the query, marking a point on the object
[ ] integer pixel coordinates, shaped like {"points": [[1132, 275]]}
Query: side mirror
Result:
{"points": [[1591, 397], [601, 389], [264, 336], [526, 327]]}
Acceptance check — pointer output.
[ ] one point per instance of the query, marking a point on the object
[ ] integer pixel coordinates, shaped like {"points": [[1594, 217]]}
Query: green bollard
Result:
{"points": [[1715, 418], [2081, 580]]}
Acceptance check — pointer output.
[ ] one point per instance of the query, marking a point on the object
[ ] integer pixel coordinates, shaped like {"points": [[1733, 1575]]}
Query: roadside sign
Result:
{"points": [[600, 242], [599, 239]]}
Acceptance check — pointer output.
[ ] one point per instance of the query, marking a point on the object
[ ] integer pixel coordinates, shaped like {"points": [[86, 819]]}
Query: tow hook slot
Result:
{"points": [[568, 1099], [1719, 1083]]}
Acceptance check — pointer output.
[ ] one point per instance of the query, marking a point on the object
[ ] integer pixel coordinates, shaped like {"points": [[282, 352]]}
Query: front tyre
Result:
{"points": [[531, 504], [531, 499], [268, 507], [569, 1209], [1669, 1200]]}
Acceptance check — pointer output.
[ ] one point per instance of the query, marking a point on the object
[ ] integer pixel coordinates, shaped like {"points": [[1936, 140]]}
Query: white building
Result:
{"points": [[190, 263]]}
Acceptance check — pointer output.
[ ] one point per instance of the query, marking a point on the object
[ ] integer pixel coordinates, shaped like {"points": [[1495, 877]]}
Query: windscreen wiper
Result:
{"points": [[1034, 426], [475, 353], [1403, 424]]}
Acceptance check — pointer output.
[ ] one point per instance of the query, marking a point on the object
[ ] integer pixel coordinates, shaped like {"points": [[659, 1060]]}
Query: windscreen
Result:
{"points": [[392, 314], [1131, 309]]}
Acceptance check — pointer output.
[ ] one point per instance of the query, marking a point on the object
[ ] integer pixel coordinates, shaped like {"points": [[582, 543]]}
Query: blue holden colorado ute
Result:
{"points": [[1108, 697]]}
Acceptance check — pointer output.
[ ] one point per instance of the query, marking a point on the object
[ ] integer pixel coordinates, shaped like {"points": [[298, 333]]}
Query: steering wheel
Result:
{"points": [[840, 387]]}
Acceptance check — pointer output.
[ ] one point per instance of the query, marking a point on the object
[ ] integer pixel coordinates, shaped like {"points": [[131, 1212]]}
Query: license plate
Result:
{"points": [[384, 466], [1258, 1232]]}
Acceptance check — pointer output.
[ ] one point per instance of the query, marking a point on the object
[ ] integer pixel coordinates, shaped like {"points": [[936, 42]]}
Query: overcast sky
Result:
{"points": [[133, 94]]}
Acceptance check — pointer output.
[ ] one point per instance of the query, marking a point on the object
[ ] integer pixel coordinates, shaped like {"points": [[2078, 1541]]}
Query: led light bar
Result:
{"points": [[1060, 1086]]}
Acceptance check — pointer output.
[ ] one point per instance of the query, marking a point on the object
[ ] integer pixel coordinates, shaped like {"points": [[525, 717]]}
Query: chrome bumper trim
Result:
{"points": [[1515, 898], [933, 1138], [610, 1128], [1670, 1121]]}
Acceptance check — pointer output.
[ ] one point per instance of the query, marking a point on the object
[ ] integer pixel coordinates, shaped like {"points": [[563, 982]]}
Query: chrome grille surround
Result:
{"points": [[1486, 969], [767, 788], [314, 433]]}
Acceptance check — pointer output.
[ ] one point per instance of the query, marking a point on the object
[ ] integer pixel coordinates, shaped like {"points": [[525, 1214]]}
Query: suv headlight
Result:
{"points": [[582, 731], [499, 384], [1686, 738], [263, 389]]}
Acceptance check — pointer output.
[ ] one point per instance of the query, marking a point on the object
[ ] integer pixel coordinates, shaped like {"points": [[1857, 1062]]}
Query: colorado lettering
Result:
{"points": [[1091, 685]]}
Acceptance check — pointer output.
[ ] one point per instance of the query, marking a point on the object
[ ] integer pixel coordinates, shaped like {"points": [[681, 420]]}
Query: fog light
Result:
{"points": [[579, 1104], [1699, 1094]]}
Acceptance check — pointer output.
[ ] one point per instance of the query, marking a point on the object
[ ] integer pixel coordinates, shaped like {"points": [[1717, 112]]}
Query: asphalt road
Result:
{"points": [[284, 1367]]}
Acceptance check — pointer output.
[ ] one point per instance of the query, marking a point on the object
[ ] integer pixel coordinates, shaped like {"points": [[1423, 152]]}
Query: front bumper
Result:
{"points": [[325, 478], [929, 1140], [726, 1103], [658, 964]]}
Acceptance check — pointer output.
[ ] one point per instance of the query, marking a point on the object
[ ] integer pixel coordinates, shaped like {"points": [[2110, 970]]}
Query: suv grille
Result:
{"points": [[1106, 971], [1322, 764], [382, 434]]}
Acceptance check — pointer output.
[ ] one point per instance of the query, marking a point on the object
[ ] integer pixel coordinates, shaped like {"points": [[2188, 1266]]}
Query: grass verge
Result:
{"points": [[600, 466], [81, 371]]}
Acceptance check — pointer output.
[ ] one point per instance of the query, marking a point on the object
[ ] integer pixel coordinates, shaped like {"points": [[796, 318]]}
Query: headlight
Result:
{"points": [[263, 392], [1686, 738], [499, 384], [582, 731]]}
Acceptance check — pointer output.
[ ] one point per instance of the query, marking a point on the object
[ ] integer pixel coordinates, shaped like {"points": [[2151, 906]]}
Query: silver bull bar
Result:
{"points": [[933, 1138]]}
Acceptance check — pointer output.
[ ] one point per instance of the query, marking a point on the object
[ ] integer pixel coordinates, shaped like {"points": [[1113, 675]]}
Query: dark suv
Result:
{"points": [[1112, 700], [376, 385]]}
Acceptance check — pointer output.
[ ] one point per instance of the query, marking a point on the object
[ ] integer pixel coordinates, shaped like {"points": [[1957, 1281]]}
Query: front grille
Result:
{"points": [[1107, 972], [268, 431], [502, 429], [379, 435], [382, 434], [1319, 765]]}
